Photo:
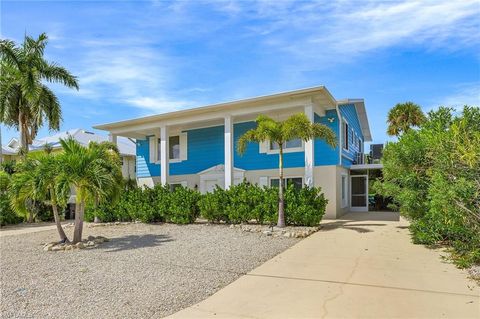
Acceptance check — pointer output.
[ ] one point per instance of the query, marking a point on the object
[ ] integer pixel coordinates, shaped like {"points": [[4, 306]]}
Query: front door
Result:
{"points": [[359, 193]]}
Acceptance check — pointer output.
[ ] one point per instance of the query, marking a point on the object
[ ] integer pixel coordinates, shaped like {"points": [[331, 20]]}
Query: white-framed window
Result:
{"points": [[344, 185], [345, 135], [294, 145], [177, 148], [297, 182]]}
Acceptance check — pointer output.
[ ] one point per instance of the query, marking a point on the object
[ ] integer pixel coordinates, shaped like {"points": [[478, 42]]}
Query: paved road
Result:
{"points": [[363, 266]]}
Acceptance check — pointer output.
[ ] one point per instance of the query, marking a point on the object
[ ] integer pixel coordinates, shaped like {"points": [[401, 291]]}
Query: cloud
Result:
{"points": [[464, 94], [342, 30], [133, 74]]}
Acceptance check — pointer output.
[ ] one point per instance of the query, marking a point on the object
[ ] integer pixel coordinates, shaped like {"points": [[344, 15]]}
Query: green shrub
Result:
{"points": [[7, 215], [304, 207], [212, 205], [433, 175], [183, 208], [245, 202]]}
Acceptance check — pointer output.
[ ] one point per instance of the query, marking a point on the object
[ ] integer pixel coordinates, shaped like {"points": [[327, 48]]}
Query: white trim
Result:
{"points": [[342, 129], [309, 149], [286, 149], [228, 149], [164, 155]]}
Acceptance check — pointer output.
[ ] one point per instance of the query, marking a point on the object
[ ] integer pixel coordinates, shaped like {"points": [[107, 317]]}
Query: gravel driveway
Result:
{"points": [[144, 271]]}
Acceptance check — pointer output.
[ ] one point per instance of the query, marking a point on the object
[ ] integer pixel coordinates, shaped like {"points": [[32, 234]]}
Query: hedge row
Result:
{"points": [[239, 204]]}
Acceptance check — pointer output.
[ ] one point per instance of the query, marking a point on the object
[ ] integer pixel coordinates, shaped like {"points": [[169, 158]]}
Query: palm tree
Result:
{"points": [[94, 172], [37, 180], [403, 116], [25, 101], [297, 126]]}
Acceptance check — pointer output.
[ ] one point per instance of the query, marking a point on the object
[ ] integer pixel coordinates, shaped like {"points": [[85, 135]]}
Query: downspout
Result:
{"points": [[340, 129]]}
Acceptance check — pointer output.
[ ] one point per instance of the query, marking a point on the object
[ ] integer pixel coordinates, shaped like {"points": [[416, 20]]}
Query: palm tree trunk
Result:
{"points": [[23, 132], [77, 232], [56, 217], [281, 202], [63, 237]]}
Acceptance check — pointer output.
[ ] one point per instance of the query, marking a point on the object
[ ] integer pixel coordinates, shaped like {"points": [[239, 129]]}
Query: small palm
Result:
{"points": [[297, 126]]}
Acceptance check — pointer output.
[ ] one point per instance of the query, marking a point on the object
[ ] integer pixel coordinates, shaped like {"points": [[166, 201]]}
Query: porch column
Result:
{"points": [[164, 155], [112, 138], [228, 135], [309, 149]]}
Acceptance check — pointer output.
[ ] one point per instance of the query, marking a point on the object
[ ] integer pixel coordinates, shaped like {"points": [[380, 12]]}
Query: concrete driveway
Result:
{"points": [[362, 266]]}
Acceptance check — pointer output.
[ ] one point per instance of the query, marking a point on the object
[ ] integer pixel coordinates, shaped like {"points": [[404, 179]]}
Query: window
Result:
{"points": [[345, 137], [295, 143], [297, 182], [177, 148], [174, 147]]}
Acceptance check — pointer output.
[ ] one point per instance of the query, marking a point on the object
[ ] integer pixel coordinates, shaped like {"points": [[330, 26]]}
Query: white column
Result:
{"points": [[112, 138], [164, 155], [228, 134], [309, 149]]}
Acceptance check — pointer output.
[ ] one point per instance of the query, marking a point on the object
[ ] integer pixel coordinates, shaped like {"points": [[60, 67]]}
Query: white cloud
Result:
{"points": [[128, 73], [465, 94], [341, 30]]}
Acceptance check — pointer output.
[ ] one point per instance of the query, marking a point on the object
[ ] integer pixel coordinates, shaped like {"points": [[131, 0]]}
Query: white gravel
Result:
{"points": [[145, 271]]}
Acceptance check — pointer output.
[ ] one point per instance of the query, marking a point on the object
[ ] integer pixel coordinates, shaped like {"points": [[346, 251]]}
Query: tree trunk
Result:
{"points": [[63, 237], [23, 133], [281, 203], [77, 232], [30, 215]]}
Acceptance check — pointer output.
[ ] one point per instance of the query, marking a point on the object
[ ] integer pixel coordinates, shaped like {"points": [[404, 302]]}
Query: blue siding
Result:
{"points": [[144, 167], [205, 149], [252, 159], [324, 153], [349, 113]]}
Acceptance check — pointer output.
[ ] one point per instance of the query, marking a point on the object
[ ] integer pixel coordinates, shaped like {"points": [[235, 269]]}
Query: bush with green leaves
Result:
{"points": [[433, 175], [182, 206], [305, 206], [246, 202]]}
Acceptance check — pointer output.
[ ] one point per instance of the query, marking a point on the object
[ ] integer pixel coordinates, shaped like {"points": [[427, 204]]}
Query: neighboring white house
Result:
{"points": [[126, 147]]}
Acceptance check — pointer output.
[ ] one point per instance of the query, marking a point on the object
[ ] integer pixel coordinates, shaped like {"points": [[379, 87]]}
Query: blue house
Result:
{"points": [[196, 148]]}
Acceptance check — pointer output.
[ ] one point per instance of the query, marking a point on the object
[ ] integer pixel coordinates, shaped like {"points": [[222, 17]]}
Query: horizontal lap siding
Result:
{"points": [[349, 113], [324, 153], [206, 149], [144, 167], [252, 159]]}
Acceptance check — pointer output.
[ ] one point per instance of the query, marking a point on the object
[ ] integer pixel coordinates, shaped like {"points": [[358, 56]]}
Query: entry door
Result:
{"points": [[359, 193]]}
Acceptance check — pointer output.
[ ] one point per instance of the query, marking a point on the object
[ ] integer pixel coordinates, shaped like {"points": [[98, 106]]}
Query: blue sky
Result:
{"points": [[146, 57]]}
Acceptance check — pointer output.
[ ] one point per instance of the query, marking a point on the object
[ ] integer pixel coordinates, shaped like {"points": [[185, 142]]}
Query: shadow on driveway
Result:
{"points": [[134, 242], [360, 221]]}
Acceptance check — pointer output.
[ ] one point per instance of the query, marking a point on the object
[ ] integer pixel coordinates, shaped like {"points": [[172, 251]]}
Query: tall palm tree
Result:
{"points": [[37, 180], [297, 126], [94, 172], [25, 101], [403, 116]]}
